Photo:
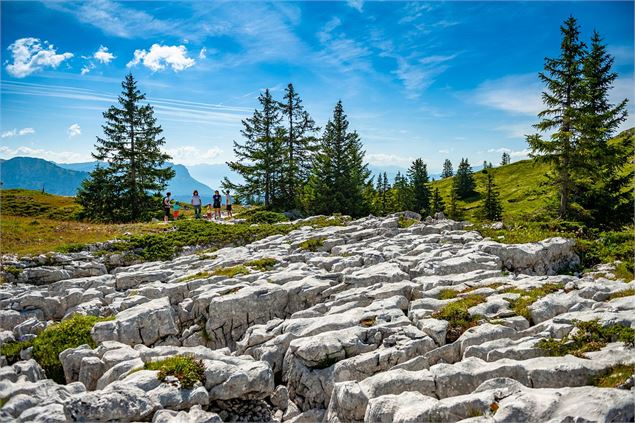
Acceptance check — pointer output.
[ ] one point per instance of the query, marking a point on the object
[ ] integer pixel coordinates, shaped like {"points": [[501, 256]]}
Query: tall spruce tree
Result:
{"points": [[564, 82], [603, 180], [420, 183], [260, 158], [299, 146], [438, 206], [492, 207], [135, 169], [454, 210], [463, 182], [383, 190], [447, 169], [339, 175]]}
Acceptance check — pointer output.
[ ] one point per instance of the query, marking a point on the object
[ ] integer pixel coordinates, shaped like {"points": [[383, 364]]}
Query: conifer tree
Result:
{"points": [[506, 159], [339, 175], [492, 208], [463, 182], [299, 146], [260, 157], [135, 169], [454, 211], [383, 191], [603, 180], [419, 181], [437, 202], [564, 82], [447, 169], [402, 193]]}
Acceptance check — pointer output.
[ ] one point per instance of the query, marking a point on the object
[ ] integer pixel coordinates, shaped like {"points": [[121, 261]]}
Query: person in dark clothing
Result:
{"points": [[167, 203], [216, 200]]}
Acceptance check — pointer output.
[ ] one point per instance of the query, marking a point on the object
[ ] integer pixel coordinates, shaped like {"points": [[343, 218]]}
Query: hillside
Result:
{"points": [[523, 188], [64, 179]]}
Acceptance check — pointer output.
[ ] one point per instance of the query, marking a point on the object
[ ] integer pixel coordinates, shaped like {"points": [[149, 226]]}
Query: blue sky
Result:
{"points": [[418, 79]]}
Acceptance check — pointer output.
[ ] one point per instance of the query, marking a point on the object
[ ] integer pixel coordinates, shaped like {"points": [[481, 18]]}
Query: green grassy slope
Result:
{"points": [[523, 189]]}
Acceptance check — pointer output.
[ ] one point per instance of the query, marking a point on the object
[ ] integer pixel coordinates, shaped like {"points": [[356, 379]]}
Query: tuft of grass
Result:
{"points": [[590, 336], [368, 322], [456, 313], [11, 350], [70, 333], [521, 305], [185, 368], [263, 216], [12, 270], [263, 264], [232, 291], [195, 276], [474, 412], [405, 222], [73, 247], [625, 293], [312, 244], [448, 294], [230, 272], [615, 377]]}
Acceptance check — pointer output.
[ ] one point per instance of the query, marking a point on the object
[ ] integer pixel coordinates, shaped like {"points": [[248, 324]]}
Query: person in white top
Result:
{"points": [[197, 203], [228, 204]]}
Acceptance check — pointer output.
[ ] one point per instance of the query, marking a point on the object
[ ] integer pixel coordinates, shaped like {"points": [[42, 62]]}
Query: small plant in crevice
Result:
{"points": [[589, 336], [614, 377], [368, 322], [187, 369], [456, 313], [620, 294], [230, 272], [526, 298], [312, 244], [262, 264], [195, 276]]}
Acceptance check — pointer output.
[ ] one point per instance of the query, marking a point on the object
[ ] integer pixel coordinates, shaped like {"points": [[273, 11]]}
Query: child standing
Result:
{"points": [[209, 212], [176, 210]]}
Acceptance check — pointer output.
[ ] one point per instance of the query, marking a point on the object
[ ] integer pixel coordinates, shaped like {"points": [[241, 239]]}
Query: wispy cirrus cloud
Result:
{"points": [[56, 156], [356, 4], [517, 94], [30, 55], [192, 155]]}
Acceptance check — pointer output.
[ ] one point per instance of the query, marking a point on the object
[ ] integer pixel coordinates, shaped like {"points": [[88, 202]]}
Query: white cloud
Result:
{"points": [[31, 55], [17, 132], [74, 130], [103, 55], [444, 151], [159, 56], [87, 68], [190, 155], [356, 4], [203, 53], [55, 156], [513, 153], [518, 94], [389, 159]]}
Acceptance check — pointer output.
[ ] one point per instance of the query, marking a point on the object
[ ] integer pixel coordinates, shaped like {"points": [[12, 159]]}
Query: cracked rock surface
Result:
{"points": [[351, 332]]}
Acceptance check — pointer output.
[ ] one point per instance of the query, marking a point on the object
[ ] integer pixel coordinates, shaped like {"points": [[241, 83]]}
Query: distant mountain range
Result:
{"points": [[65, 178]]}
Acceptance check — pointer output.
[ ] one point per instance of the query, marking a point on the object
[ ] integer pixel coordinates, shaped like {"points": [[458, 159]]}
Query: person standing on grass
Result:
{"points": [[216, 199], [196, 203], [228, 204], [166, 207]]}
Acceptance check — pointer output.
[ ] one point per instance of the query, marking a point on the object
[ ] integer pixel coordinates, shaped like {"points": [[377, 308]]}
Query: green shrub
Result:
{"points": [[11, 350], [12, 270], [448, 294], [456, 313], [72, 248], [185, 368], [312, 244], [265, 216], [590, 336], [521, 305], [266, 263], [405, 222], [230, 272], [70, 333], [615, 376]]}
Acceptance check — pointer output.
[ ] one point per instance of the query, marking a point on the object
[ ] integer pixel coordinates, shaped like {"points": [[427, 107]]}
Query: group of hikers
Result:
{"points": [[197, 202]]}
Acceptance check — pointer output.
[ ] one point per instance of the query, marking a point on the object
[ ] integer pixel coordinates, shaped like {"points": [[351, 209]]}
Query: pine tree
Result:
{"points": [[419, 181], [506, 159], [463, 182], [603, 181], [454, 210], [437, 202], [135, 169], [339, 175], [260, 158], [447, 169], [383, 191], [403, 198], [564, 82], [492, 208], [299, 146]]}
